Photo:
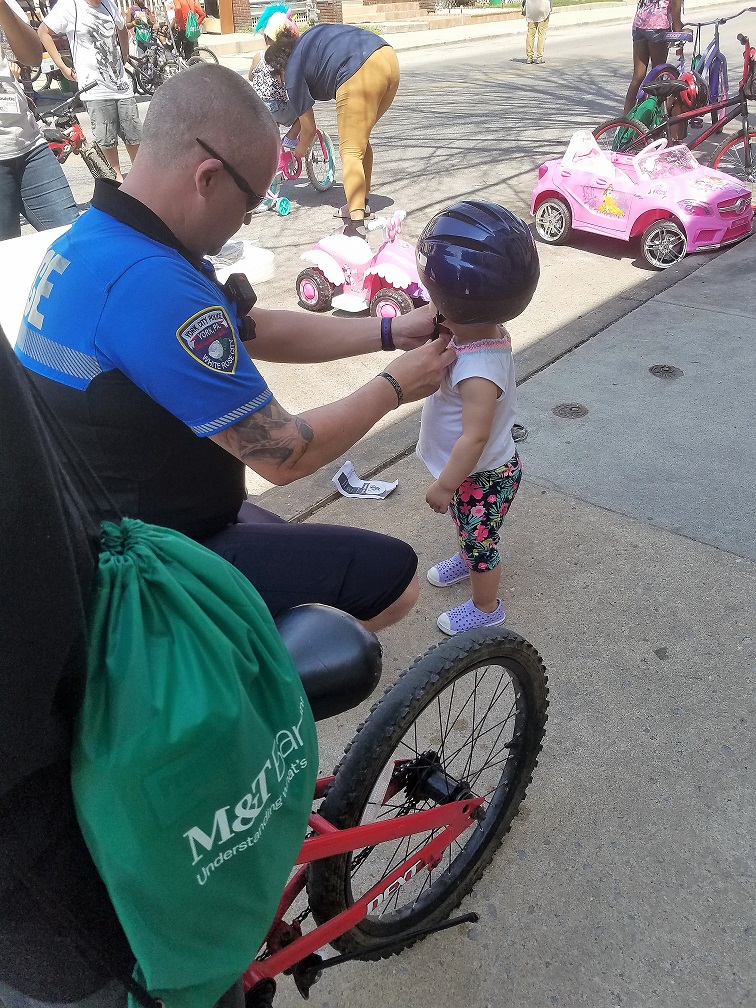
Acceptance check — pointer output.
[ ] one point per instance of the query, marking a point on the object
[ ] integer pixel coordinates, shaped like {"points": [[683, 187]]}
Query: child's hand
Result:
{"points": [[438, 499]]}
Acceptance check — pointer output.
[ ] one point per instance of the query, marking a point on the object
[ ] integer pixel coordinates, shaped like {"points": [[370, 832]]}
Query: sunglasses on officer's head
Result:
{"points": [[253, 199]]}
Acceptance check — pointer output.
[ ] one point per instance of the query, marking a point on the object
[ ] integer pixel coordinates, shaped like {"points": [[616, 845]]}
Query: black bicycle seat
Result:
{"points": [[54, 135], [339, 662], [663, 89]]}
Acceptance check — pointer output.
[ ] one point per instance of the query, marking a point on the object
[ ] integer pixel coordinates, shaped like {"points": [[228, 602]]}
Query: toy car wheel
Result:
{"points": [[553, 221], [388, 303], [314, 290], [663, 244]]}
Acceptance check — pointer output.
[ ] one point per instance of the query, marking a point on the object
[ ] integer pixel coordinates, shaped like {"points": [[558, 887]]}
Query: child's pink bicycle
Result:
{"points": [[319, 164], [419, 803]]}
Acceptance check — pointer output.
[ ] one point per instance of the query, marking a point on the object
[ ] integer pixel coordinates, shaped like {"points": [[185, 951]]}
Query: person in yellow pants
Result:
{"points": [[537, 12], [359, 70]]}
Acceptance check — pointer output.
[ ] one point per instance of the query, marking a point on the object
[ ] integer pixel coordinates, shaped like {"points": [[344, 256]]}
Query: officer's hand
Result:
{"points": [[413, 329], [420, 371]]}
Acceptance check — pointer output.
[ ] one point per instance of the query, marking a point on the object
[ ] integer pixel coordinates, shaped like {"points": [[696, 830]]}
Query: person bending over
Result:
{"points": [[357, 69]]}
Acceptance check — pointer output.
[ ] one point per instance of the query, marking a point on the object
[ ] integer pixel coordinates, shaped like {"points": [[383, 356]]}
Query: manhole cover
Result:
{"points": [[568, 410], [665, 371]]}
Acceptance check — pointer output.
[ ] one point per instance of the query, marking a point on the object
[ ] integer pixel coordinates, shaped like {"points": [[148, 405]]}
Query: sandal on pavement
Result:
{"points": [[467, 616], [343, 212], [448, 572]]}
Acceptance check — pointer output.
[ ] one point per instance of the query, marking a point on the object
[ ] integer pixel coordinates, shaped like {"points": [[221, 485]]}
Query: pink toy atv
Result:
{"points": [[661, 194], [346, 274]]}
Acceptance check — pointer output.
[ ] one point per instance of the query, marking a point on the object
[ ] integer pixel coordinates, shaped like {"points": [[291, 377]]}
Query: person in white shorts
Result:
{"points": [[99, 42]]}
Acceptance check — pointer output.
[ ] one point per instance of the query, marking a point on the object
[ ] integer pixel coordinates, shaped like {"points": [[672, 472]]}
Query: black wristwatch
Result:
{"points": [[387, 342]]}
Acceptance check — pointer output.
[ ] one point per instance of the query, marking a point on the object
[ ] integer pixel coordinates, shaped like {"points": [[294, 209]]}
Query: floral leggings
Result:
{"points": [[478, 508]]}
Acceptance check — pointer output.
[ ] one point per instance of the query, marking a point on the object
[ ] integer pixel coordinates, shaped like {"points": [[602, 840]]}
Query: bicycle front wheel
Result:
{"points": [[737, 157], [717, 84], [96, 161], [203, 55], [466, 719], [321, 162], [623, 134]]}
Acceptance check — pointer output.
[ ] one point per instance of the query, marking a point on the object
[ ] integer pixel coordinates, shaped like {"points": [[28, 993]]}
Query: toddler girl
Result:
{"points": [[480, 266]]}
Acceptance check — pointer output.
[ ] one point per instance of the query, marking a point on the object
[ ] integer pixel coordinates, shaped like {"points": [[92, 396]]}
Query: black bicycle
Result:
{"points": [[736, 156], [162, 60]]}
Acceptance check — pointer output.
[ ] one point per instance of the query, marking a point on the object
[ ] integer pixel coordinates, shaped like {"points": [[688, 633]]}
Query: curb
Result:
{"points": [[381, 449]]}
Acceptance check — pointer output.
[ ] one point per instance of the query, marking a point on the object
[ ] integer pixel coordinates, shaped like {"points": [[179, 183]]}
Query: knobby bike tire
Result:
{"points": [[203, 54], [321, 171], [409, 720], [730, 157], [621, 134], [97, 163]]}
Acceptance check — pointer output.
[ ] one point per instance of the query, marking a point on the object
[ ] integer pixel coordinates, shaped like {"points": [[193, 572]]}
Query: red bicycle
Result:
{"points": [[419, 803], [64, 134]]}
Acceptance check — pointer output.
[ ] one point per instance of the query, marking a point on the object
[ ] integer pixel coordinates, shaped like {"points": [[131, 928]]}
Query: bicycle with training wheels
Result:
{"points": [[419, 803], [736, 156], [319, 163]]}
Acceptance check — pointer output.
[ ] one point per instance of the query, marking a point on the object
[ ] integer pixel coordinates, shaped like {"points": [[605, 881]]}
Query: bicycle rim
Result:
{"points": [[717, 88], [321, 162], [469, 716], [624, 134], [732, 158]]}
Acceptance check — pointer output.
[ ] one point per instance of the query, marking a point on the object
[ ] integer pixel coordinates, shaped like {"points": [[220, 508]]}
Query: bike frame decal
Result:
{"points": [[454, 817]]}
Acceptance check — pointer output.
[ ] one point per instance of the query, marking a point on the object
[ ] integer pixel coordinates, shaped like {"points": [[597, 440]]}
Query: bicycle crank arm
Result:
{"points": [[468, 918]]}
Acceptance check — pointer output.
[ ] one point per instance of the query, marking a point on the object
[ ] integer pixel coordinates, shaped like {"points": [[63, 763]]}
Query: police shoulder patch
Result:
{"points": [[210, 338]]}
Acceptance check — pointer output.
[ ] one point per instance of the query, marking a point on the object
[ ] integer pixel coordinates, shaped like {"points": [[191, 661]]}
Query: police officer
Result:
{"points": [[137, 349]]}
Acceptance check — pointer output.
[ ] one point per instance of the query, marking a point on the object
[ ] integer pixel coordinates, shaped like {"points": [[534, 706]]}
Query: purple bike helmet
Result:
{"points": [[478, 262]]}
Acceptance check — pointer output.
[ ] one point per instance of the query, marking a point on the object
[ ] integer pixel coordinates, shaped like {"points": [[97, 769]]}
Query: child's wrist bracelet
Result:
{"points": [[387, 340], [397, 387]]}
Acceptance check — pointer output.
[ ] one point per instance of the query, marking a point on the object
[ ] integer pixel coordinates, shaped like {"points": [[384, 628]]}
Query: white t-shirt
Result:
{"points": [[19, 132], [537, 10], [92, 36], [441, 422]]}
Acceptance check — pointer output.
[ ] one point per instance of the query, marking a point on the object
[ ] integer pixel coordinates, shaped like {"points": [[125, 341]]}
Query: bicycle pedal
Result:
{"points": [[697, 123]]}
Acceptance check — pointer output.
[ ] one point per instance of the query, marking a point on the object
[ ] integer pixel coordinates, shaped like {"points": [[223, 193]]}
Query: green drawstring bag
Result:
{"points": [[192, 30], [194, 759]]}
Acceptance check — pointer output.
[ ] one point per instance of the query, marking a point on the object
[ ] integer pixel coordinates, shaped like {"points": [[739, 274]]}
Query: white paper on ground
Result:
{"points": [[349, 484]]}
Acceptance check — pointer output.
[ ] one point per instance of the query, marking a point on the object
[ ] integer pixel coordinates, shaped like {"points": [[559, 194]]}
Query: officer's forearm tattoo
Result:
{"points": [[271, 433]]}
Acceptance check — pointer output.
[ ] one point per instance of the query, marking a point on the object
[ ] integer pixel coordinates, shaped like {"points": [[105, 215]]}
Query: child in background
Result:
{"points": [[480, 266], [265, 83]]}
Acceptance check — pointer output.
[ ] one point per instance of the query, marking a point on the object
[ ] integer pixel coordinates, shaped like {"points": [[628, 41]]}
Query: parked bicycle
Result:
{"points": [[161, 60], [420, 802], [736, 156], [63, 132], [319, 163]]}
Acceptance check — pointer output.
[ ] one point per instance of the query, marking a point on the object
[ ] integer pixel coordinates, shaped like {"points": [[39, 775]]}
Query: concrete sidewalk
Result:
{"points": [[628, 562], [246, 43]]}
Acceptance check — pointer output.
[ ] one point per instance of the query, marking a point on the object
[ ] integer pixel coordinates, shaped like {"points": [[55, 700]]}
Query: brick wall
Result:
{"points": [[330, 11], [242, 15]]}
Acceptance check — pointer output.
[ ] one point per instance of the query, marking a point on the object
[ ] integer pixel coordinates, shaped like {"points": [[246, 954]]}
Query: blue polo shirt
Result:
{"points": [[136, 348]]}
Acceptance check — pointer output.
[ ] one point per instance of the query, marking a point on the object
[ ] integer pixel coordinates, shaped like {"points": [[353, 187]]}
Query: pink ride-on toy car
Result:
{"points": [[347, 274], [661, 194]]}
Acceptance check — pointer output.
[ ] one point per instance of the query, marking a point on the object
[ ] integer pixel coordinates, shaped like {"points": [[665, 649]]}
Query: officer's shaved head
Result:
{"points": [[210, 102]]}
